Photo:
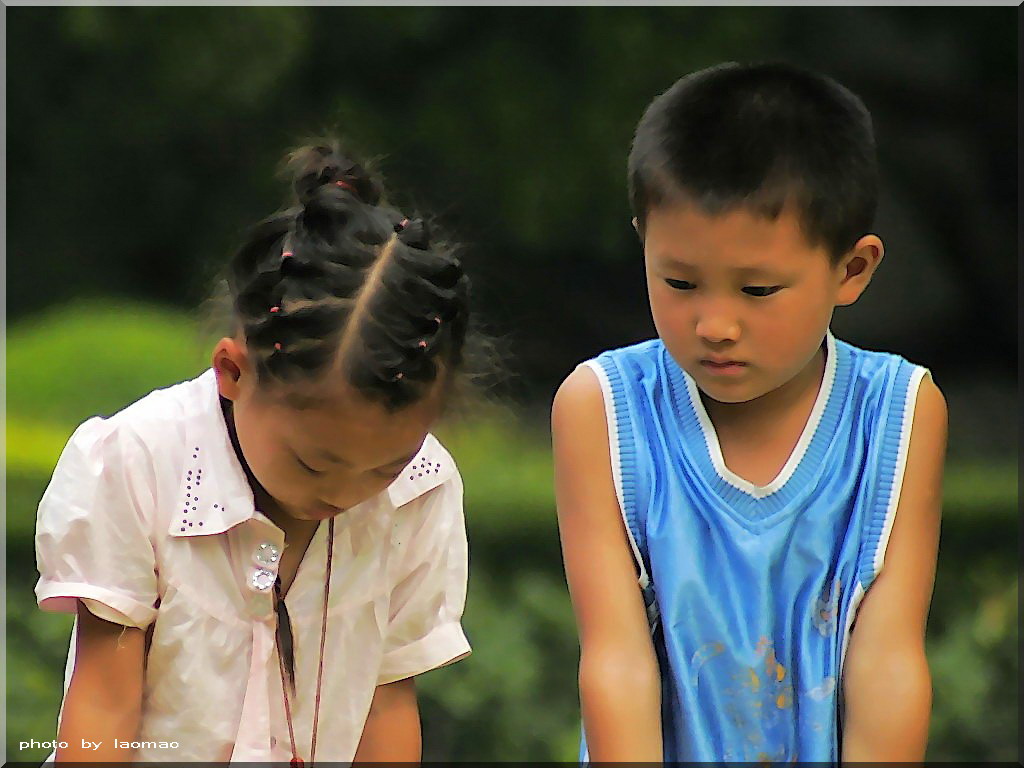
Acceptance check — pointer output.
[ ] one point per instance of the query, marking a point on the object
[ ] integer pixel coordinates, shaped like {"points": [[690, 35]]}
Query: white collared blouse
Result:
{"points": [[150, 521]]}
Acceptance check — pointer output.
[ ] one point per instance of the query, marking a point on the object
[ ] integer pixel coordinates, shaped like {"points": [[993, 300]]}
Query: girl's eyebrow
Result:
{"points": [[327, 455]]}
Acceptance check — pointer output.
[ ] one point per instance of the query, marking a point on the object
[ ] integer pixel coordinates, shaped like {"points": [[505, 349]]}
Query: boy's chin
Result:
{"points": [[726, 393], [727, 398]]}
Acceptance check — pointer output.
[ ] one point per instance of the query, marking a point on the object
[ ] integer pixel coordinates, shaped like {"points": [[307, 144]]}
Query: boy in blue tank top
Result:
{"points": [[775, 491]]}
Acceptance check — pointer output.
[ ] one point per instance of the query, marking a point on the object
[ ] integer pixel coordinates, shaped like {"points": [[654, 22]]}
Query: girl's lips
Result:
{"points": [[323, 511]]}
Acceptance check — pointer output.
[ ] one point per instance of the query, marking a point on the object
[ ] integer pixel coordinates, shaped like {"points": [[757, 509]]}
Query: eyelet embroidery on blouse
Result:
{"points": [[425, 466], [193, 479]]}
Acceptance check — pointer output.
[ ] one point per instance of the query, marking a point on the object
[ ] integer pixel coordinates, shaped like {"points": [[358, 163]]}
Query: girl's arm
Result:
{"points": [[886, 682], [620, 685], [392, 730], [104, 699]]}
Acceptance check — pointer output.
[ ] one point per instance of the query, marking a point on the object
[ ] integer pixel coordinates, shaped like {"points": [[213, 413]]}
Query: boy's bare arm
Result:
{"points": [[391, 733], [104, 699], [886, 682], [620, 688]]}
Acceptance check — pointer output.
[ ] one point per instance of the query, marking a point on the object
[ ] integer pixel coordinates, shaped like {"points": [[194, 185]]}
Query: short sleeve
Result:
{"points": [[92, 540], [428, 568]]}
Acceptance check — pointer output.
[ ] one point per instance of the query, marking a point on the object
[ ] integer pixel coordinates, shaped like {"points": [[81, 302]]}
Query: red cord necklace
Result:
{"points": [[296, 761]]}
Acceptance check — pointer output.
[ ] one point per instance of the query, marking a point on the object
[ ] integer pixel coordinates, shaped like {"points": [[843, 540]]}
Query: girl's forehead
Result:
{"points": [[340, 414]]}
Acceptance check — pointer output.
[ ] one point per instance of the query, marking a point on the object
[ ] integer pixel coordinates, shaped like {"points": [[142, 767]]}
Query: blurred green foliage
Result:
{"points": [[515, 698], [146, 139]]}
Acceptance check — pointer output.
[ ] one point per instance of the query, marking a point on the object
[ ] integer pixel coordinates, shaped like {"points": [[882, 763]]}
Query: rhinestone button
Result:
{"points": [[263, 580], [266, 554]]}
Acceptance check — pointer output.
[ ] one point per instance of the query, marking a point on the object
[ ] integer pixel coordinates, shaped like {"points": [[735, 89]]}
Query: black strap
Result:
{"points": [[284, 633]]}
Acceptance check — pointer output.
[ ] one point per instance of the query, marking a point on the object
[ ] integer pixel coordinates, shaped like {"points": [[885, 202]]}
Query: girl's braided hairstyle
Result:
{"points": [[342, 281]]}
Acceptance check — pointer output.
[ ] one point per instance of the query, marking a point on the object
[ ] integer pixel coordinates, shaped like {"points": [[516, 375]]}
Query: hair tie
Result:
{"points": [[346, 185], [275, 309], [277, 345]]}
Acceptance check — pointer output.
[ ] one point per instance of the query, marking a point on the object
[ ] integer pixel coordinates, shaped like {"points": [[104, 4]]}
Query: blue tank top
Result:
{"points": [[751, 590]]}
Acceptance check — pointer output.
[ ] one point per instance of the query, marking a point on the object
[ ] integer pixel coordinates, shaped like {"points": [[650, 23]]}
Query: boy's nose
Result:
{"points": [[717, 328]]}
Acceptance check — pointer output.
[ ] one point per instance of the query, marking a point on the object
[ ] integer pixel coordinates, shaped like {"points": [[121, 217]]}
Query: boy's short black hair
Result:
{"points": [[760, 136]]}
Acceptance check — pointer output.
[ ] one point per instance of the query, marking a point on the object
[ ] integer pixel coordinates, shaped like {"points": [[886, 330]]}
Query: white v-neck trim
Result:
{"points": [[810, 429]]}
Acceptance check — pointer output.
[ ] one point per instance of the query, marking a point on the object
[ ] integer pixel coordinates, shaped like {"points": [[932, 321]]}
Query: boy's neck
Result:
{"points": [[771, 407]]}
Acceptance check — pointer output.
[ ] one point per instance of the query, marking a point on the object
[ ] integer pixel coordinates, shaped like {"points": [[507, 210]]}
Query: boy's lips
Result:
{"points": [[722, 365]]}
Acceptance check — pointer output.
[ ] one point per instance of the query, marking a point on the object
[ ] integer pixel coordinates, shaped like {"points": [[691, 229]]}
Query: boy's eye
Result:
{"points": [[761, 290], [679, 285]]}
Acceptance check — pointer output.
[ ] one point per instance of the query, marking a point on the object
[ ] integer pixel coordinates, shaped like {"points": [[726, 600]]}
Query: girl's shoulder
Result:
{"points": [[433, 467], [141, 436], [152, 414]]}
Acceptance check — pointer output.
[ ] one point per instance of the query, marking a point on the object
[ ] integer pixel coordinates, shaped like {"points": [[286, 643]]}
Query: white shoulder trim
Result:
{"points": [[913, 387], [613, 447]]}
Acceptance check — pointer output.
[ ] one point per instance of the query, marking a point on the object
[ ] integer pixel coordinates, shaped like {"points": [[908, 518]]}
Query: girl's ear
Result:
{"points": [[856, 268], [230, 365]]}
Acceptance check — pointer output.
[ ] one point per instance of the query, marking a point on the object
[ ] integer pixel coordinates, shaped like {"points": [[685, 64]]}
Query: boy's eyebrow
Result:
{"points": [[748, 269]]}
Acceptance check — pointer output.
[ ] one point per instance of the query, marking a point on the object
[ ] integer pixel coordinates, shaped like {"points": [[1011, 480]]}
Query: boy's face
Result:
{"points": [[742, 303]]}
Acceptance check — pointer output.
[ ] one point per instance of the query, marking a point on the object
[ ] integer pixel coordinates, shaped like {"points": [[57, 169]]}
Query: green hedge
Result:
{"points": [[515, 698]]}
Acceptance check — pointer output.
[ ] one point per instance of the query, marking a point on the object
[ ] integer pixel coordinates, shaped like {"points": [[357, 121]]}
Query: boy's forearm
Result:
{"points": [[890, 722], [90, 730], [621, 712]]}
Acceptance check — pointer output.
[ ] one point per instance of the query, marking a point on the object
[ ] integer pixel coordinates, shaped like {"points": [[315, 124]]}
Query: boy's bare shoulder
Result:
{"points": [[578, 399]]}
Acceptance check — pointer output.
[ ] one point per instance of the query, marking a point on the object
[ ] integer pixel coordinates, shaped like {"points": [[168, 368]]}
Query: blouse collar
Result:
{"points": [[214, 494]]}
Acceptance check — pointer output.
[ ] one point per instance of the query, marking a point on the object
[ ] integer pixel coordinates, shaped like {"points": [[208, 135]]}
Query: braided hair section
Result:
{"points": [[340, 282]]}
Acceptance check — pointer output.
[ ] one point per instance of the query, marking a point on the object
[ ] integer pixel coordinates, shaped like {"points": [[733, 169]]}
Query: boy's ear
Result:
{"points": [[856, 268], [230, 364]]}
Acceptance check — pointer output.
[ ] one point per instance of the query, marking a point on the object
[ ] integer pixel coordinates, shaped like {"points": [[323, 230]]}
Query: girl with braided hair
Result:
{"points": [[263, 558]]}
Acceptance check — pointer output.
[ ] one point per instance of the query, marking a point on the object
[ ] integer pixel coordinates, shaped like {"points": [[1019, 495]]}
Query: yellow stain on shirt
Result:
{"points": [[783, 700], [773, 668], [754, 682]]}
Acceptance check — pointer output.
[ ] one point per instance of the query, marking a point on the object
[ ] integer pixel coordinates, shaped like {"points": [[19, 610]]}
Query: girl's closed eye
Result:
{"points": [[761, 290], [306, 466], [679, 285]]}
